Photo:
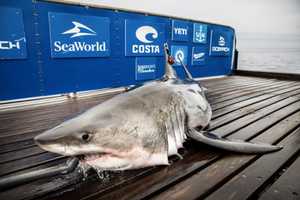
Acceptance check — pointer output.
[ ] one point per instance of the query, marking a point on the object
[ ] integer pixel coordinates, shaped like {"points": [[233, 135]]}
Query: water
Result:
{"points": [[271, 53]]}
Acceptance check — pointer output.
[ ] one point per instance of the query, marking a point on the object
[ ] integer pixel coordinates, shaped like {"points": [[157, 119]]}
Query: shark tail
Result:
{"points": [[232, 145]]}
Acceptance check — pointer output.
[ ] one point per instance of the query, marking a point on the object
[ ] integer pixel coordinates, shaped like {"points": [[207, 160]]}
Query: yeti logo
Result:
{"points": [[79, 30], [143, 32]]}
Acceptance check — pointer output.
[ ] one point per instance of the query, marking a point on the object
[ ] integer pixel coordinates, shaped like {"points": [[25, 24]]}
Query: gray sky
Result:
{"points": [[252, 16]]}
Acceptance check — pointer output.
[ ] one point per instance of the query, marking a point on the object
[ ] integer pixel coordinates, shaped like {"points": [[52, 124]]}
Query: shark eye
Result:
{"points": [[86, 137]]}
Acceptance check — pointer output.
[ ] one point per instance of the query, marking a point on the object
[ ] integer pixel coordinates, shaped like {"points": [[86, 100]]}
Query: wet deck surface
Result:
{"points": [[247, 108]]}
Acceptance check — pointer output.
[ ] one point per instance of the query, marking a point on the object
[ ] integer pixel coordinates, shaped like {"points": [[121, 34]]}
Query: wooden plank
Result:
{"points": [[29, 162], [230, 80], [232, 90], [217, 122], [207, 180], [254, 176], [34, 190], [246, 95], [25, 153], [16, 146], [214, 91], [223, 103], [287, 187], [252, 117]]}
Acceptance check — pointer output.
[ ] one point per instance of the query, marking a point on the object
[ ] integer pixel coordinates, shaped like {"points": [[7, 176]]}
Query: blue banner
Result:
{"points": [[179, 53], [144, 38], [12, 35], [78, 35], [145, 68], [220, 44], [180, 30], [198, 55], [200, 33]]}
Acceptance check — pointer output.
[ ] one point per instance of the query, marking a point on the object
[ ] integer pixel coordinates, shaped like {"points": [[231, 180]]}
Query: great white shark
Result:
{"points": [[142, 127]]}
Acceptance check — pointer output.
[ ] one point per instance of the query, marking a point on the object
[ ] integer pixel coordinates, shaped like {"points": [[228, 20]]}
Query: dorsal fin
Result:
{"points": [[170, 73]]}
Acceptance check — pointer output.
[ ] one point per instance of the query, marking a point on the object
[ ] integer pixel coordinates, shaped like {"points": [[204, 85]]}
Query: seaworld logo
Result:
{"points": [[146, 35], [80, 30], [77, 30]]}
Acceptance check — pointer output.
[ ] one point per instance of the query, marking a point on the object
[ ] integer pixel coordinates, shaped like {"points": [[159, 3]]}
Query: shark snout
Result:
{"points": [[43, 139], [52, 136]]}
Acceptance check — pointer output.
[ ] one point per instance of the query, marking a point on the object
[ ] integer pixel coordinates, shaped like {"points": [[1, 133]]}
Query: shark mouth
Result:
{"points": [[95, 156], [104, 161]]}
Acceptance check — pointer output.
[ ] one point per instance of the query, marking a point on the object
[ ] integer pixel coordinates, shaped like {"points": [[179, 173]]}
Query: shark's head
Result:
{"points": [[101, 138]]}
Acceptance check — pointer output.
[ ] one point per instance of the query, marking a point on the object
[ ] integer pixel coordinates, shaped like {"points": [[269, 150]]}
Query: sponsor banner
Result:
{"points": [[12, 35], [180, 30], [144, 38], [220, 43], [200, 33], [198, 55], [179, 53], [78, 35], [145, 68]]}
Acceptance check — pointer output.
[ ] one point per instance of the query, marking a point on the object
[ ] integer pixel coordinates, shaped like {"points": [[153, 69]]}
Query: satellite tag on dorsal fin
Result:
{"points": [[170, 73]]}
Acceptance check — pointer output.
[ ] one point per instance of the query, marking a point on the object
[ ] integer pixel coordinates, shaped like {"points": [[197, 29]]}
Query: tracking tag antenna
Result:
{"points": [[187, 73]]}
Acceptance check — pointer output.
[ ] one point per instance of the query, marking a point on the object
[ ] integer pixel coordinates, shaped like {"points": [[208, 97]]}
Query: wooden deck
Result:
{"points": [[247, 108]]}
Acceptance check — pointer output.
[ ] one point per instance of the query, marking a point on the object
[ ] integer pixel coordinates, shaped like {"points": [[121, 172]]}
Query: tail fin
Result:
{"points": [[232, 145]]}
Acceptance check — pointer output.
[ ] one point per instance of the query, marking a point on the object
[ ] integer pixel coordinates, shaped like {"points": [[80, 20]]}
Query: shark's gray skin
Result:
{"points": [[142, 127]]}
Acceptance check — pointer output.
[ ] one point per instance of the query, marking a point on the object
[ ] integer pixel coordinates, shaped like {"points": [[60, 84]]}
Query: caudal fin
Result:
{"points": [[232, 145]]}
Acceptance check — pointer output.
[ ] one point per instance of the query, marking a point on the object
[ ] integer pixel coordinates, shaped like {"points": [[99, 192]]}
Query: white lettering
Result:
{"points": [[146, 68], [7, 45], [145, 48], [180, 31], [79, 46], [218, 49]]}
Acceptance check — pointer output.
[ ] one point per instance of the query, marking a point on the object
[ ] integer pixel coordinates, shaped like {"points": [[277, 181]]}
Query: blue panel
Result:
{"points": [[220, 43], [179, 53], [145, 68], [180, 30], [200, 33], [12, 35], [41, 74], [199, 54], [144, 38], [78, 35]]}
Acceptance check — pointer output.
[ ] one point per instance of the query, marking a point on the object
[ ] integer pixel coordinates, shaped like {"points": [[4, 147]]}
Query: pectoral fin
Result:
{"points": [[232, 145]]}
